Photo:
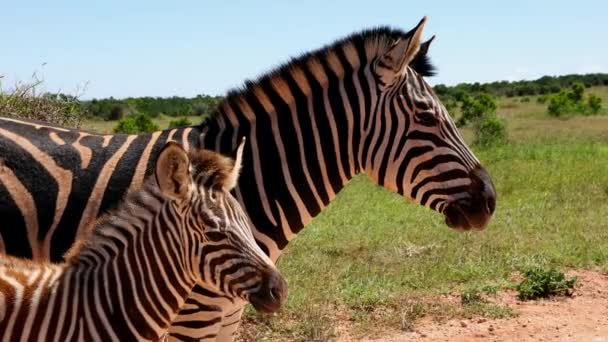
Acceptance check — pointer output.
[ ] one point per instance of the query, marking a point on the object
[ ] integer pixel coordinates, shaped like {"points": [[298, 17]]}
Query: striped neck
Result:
{"points": [[305, 125], [130, 268]]}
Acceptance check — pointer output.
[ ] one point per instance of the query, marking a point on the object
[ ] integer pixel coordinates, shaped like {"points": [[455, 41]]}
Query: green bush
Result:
{"points": [[490, 131], [474, 109], [451, 105], [559, 104], [136, 124], [181, 122], [572, 102], [117, 112], [541, 283], [595, 104], [576, 92], [27, 101]]}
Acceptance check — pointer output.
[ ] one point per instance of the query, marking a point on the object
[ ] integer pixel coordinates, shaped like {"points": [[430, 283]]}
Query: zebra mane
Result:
{"points": [[208, 169], [365, 44]]}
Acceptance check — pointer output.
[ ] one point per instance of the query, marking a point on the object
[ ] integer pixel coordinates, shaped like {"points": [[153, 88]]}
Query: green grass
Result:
{"points": [[387, 267]]}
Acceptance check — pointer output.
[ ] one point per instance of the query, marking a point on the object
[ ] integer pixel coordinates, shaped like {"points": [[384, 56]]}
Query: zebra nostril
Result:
{"points": [[491, 205], [275, 293], [271, 295]]}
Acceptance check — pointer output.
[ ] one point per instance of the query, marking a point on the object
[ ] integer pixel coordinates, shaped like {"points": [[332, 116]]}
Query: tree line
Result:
{"points": [[116, 109], [542, 86], [203, 105]]}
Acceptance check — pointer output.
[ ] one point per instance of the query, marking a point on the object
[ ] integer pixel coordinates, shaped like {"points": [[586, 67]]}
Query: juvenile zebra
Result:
{"points": [[129, 278]]}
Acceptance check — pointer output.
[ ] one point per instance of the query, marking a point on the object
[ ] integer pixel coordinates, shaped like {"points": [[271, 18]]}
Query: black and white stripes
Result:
{"points": [[127, 280]]}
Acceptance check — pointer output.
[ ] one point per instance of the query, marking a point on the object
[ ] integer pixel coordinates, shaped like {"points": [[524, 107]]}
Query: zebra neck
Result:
{"points": [[136, 266], [302, 148]]}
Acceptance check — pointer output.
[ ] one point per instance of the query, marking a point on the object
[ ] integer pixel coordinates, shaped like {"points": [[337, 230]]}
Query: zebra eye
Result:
{"points": [[215, 236], [426, 119]]}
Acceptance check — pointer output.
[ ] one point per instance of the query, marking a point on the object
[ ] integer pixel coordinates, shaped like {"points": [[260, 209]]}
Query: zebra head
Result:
{"points": [[412, 144], [230, 261]]}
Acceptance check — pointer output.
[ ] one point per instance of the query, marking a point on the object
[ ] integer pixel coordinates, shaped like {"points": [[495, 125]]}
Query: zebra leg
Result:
{"points": [[230, 324]]}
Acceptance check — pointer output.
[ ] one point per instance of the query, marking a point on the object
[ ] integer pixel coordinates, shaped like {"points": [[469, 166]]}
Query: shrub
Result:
{"points": [[594, 103], [559, 104], [134, 124], [576, 93], [25, 101], [117, 112], [451, 105], [181, 122], [474, 109], [541, 283], [572, 102], [490, 131], [524, 99], [470, 296]]}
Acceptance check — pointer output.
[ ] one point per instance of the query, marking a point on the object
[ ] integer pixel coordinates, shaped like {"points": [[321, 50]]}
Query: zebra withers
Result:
{"points": [[129, 278]]}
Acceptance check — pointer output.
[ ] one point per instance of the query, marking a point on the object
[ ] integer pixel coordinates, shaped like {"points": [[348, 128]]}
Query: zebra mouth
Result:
{"points": [[264, 305], [474, 211], [469, 214], [271, 296]]}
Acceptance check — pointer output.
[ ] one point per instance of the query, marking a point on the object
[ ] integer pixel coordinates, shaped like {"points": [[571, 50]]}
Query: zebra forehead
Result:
{"points": [[212, 168]]}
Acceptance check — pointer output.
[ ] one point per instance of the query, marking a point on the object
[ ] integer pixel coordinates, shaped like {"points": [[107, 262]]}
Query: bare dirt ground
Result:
{"points": [[582, 317]]}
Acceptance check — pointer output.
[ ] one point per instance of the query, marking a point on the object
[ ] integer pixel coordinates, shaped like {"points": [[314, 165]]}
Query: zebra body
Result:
{"points": [[358, 105], [127, 280]]}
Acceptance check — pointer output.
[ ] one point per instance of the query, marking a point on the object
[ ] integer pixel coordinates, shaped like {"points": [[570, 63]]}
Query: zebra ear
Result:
{"points": [[233, 176], [394, 61], [173, 171]]}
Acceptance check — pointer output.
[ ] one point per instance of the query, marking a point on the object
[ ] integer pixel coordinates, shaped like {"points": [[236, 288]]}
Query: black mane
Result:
{"points": [[421, 63]]}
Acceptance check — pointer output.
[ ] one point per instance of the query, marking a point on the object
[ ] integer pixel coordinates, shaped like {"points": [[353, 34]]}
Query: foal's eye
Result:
{"points": [[215, 236], [426, 119]]}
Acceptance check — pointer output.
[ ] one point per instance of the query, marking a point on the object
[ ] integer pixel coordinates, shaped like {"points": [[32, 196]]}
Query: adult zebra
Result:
{"points": [[129, 278], [358, 105]]}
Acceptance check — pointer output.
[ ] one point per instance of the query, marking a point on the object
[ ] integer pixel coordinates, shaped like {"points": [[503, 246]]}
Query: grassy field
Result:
{"points": [[387, 267]]}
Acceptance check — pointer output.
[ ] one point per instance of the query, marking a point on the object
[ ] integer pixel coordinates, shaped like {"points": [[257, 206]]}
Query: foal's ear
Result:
{"points": [[173, 171], [233, 176]]}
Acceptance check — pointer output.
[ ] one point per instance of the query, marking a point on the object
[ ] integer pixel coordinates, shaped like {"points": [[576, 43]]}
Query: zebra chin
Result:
{"points": [[475, 210], [271, 295]]}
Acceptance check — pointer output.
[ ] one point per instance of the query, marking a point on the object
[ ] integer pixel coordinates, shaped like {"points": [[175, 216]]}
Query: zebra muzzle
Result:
{"points": [[271, 295], [474, 211]]}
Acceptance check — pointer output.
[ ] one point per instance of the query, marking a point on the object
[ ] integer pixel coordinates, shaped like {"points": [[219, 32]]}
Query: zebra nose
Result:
{"points": [[271, 294], [475, 210], [486, 192]]}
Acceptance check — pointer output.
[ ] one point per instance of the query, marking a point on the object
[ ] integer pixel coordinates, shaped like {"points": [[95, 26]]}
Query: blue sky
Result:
{"points": [[165, 48]]}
